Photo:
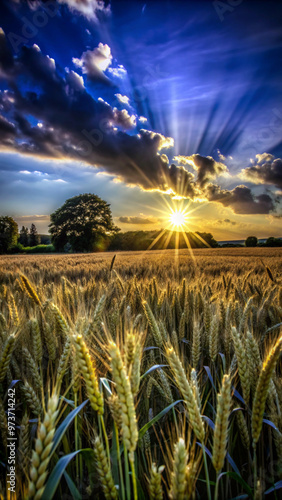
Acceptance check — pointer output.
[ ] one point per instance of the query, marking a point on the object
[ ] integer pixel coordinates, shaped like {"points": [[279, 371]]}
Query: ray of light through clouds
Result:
{"points": [[154, 107]]}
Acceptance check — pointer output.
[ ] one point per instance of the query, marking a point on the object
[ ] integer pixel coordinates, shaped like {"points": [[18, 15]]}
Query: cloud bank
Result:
{"points": [[67, 122]]}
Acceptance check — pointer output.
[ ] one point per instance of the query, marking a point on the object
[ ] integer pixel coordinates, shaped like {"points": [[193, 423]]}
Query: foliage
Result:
{"points": [[157, 240], [8, 233], [273, 242], [163, 371], [251, 241], [34, 238], [84, 221], [24, 237], [37, 249]]}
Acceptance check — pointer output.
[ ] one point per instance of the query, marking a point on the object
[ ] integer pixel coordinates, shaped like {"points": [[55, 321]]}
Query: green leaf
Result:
{"points": [[105, 382], [155, 367], [157, 418], [58, 471], [239, 480], [73, 489], [64, 425]]}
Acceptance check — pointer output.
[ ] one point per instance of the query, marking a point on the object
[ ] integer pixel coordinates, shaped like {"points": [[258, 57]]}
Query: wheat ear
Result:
{"points": [[6, 356], [243, 367], [187, 392], [86, 366], [30, 290], [104, 471], [123, 388], [179, 479], [155, 486], [153, 323], [24, 442], [263, 388], [41, 453], [221, 424]]}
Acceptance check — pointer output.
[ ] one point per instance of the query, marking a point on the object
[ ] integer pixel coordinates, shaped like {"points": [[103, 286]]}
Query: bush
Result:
{"points": [[39, 249], [16, 248]]}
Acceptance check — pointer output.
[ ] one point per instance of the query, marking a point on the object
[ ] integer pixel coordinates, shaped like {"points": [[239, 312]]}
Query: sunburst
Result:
{"points": [[177, 218]]}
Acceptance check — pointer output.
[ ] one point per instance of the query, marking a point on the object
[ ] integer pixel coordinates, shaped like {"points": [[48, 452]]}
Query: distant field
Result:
{"points": [[208, 261]]}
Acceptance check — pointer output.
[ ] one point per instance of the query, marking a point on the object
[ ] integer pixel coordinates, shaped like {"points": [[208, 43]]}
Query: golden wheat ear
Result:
{"points": [[123, 389], [262, 389], [221, 424], [86, 367], [178, 476]]}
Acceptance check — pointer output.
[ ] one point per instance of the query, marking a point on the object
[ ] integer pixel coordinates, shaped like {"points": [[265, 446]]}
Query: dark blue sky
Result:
{"points": [[159, 83]]}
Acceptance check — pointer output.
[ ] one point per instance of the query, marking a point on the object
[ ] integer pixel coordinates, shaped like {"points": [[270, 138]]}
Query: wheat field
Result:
{"points": [[143, 375]]}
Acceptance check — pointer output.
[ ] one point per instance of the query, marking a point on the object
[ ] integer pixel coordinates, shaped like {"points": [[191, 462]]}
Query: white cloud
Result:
{"points": [[94, 62], [124, 119], [122, 98], [75, 80], [88, 8], [118, 72]]}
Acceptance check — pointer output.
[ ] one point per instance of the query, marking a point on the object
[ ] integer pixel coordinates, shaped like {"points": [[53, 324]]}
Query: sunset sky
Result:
{"points": [[148, 105]]}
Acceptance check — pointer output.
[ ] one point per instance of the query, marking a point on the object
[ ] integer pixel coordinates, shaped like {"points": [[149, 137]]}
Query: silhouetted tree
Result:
{"points": [[273, 242], [34, 238], [23, 239], [84, 221], [251, 241], [8, 233]]}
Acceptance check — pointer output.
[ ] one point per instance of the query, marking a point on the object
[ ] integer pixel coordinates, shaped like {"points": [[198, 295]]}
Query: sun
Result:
{"points": [[178, 218]]}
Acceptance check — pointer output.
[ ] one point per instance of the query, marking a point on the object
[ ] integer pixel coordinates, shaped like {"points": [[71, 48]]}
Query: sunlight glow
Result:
{"points": [[178, 218]]}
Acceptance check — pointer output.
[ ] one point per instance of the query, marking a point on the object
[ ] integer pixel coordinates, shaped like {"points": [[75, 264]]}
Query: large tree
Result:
{"points": [[8, 233], [251, 241], [82, 221]]}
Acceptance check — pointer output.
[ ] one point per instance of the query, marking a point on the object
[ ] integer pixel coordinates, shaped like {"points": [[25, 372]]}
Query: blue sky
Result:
{"points": [[148, 105]]}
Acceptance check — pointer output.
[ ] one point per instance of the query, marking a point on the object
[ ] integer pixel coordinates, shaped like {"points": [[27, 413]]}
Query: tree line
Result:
{"points": [[84, 223], [10, 237]]}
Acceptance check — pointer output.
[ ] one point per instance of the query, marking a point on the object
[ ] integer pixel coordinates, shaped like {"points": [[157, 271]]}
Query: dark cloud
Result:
{"points": [[207, 168], [67, 122], [138, 220], [227, 222], [266, 170], [240, 199]]}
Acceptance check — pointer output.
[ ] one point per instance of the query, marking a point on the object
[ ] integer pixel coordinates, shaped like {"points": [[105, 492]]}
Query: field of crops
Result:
{"points": [[145, 376]]}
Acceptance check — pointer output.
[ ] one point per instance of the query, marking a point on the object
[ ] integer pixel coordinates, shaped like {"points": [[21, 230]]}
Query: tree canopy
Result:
{"points": [[8, 233], [83, 221], [251, 241]]}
